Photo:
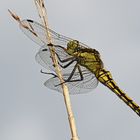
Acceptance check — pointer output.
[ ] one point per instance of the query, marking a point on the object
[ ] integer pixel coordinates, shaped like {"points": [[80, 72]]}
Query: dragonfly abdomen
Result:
{"points": [[106, 79]]}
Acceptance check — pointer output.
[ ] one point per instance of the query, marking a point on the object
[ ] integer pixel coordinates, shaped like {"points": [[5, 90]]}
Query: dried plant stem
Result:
{"points": [[43, 15]]}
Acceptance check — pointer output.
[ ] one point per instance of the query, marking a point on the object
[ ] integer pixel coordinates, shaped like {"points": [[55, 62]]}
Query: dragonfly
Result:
{"points": [[81, 65]]}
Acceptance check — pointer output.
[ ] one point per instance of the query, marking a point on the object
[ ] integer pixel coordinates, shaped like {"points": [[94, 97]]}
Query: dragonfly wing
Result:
{"points": [[37, 33], [84, 86], [43, 57]]}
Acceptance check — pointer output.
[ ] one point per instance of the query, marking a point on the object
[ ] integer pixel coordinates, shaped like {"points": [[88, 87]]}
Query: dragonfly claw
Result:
{"points": [[61, 83], [48, 73], [50, 44]]}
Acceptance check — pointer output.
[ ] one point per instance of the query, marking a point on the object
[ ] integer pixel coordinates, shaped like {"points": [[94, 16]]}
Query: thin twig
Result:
{"points": [[43, 15]]}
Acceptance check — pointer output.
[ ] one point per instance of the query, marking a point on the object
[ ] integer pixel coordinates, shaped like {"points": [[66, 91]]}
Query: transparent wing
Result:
{"points": [[43, 57], [84, 86], [37, 33]]}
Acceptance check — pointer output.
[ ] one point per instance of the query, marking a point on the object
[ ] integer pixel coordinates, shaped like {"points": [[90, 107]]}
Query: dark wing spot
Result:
{"points": [[44, 50], [29, 20]]}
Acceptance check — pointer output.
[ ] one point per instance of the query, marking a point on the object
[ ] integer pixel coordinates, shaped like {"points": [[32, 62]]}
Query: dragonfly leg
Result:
{"points": [[75, 80], [49, 73], [71, 75], [65, 60], [58, 46], [65, 66], [81, 74], [62, 61]]}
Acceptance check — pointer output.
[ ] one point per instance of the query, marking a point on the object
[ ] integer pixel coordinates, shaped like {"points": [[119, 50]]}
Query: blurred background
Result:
{"points": [[29, 110]]}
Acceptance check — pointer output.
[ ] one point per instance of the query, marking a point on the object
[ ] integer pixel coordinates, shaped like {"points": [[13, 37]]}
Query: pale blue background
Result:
{"points": [[30, 111]]}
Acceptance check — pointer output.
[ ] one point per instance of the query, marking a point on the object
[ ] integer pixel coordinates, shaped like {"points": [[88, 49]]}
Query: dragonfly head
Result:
{"points": [[73, 47]]}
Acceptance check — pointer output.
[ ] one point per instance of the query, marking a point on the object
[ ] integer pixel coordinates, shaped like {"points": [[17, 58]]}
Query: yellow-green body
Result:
{"points": [[90, 58]]}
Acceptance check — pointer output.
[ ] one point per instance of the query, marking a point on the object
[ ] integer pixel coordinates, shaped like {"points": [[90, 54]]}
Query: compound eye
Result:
{"points": [[76, 42]]}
